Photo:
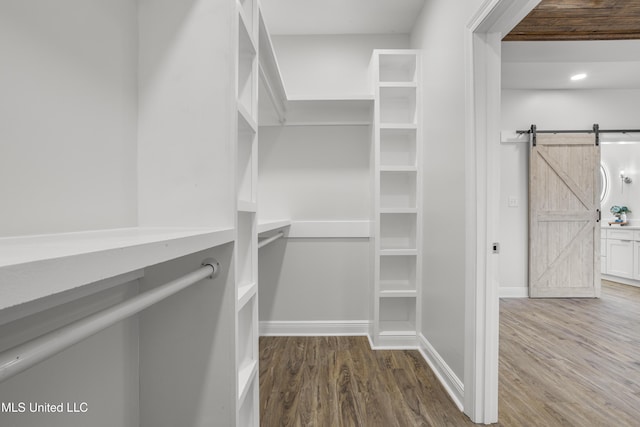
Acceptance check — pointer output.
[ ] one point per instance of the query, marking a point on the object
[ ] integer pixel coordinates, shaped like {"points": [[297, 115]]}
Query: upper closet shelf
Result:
{"points": [[265, 226], [277, 108], [272, 91], [318, 111], [33, 267]]}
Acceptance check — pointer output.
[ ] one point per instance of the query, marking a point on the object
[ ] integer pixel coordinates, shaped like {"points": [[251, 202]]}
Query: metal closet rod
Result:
{"points": [[24, 356]]}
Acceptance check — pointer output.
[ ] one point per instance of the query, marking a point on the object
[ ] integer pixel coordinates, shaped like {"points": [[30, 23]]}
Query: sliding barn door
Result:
{"points": [[564, 210]]}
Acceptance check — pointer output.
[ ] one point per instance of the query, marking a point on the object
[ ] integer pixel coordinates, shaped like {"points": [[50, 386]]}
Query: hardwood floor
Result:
{"points": [[563, 362], [340, 381], [571, 362]]}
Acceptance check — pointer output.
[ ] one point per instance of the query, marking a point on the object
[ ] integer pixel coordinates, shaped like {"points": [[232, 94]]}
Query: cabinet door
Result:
{"points": [[620, 258]]}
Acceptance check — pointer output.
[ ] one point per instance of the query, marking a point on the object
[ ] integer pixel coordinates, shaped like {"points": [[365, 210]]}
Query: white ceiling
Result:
{"points": [[548, 65], [305, 17]]}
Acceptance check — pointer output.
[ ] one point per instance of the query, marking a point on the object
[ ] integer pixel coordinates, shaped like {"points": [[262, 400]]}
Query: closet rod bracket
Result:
{"points": [[214, 264]]}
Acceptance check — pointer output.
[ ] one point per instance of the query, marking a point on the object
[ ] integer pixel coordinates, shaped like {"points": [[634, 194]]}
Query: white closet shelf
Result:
{"points": [[365, 97], [398, 126], [397, 327], [246, 291], [246, 121], [398, 210], [399, 293], [247, 206], [398, 168], [246, 374], [246, 33], [38, 266], [398, 252], [265, 226], [330, 229], [350, 110], [398, 84]]}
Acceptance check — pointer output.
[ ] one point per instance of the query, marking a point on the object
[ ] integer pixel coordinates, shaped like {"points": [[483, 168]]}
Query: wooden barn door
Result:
{"points": [[564, 216]]}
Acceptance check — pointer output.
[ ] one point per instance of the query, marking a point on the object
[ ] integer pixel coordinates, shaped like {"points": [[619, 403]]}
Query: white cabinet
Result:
{"points": [[636, 260], [621, 252], [620, 258]]}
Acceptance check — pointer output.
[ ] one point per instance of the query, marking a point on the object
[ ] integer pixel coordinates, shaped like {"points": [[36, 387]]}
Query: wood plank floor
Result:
{"points": [[571, 362], [340, 381], [563, 362]]}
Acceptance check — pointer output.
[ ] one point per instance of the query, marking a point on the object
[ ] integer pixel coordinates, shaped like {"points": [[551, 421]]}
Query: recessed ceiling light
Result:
{"points": [[578, 76]]}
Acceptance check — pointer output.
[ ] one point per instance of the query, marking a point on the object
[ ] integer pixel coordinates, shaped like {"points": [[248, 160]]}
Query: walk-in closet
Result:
{"points": [[181, 178]]}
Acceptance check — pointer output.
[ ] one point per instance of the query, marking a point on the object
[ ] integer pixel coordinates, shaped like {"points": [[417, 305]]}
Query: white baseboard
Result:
{"points": [[513, 292], [622, 280], [445, 374], [314, 328]]}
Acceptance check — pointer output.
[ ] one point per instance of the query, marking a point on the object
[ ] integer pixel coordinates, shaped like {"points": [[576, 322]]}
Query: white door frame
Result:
{"points": [[484, 33]]}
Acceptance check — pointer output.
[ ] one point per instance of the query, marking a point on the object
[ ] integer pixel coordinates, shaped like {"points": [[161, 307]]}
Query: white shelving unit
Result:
{"points": [[246, 248], [397, 217]]}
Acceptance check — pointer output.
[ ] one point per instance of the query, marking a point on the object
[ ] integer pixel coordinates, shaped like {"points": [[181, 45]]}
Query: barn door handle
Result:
{"points": [[599, 215]]}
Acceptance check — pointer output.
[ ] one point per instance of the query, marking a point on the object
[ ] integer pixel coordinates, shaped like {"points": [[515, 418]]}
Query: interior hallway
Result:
{"points": [[562, 363]]}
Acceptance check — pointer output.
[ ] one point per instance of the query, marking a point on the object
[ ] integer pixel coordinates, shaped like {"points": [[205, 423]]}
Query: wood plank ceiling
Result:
{"points": [[580, 20]]}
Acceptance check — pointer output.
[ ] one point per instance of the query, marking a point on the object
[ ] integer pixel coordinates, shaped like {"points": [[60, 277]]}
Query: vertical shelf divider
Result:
{"points": [[397, 204], [247, 409]]}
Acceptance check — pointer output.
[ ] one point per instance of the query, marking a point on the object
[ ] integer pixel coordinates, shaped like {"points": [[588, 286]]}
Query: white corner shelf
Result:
{"points": [[246, 374], [397, 328], [245, 121], [400, 84], [33, 267], [398, 252], [400, 293], [398, 210], [246, 291], [398, 168], [247, 206], [398, 125], [266, 226]]}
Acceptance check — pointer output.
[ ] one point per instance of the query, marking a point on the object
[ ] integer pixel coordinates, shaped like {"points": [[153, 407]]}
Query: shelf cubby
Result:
{"points": [[247, 352], [397, 68], [248, 413], [397, 147], [247, 158], [397, 274], [246, 244], [397, 105], [397, 189], [397, 231], [397, 316], [248, 13], [247, 88]]}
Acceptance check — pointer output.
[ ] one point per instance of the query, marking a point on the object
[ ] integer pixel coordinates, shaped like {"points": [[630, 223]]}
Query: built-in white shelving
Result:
{"points": [[246, 248], [397, 199], [266, 226], [33, 267]]}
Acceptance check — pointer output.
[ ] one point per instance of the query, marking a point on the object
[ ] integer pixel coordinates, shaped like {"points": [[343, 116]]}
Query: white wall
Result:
{"points": [[318, 173], [312, 173], [68, 108], [330, 66], [439, 33], [187, 108], [101, 370], [552, 109], [315, 280]]}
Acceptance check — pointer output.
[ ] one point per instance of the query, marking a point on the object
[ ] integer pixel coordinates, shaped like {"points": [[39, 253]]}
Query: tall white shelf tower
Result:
{"points": [[246, 248], [397, 222]]}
